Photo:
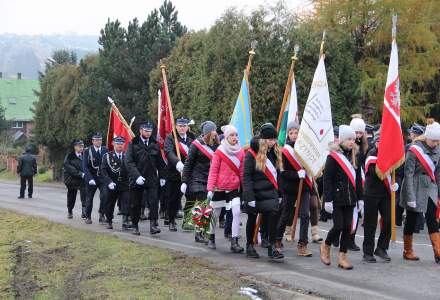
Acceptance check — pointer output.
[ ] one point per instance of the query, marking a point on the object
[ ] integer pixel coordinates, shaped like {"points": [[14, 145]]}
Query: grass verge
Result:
{"points": [[44, 260], [45, 177]]}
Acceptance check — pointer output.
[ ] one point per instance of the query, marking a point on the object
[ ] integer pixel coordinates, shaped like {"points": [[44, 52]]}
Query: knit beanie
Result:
{"points": [[345, 133], [433, 131], [207, 127]]}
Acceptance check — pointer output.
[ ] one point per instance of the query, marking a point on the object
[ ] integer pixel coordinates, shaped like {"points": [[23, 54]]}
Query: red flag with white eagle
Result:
{"points": [[165, 126], [117, 126], [391, 153]]}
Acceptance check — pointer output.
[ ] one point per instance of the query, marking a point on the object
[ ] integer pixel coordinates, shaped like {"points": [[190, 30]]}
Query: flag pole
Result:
{"points": [[321, 50], [121, 116], [159, 96], [167, 94], [288, 86]]}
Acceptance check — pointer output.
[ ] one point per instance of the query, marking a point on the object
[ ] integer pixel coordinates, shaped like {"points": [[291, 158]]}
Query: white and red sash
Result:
{"points": [[270, 171], [363, 176], [232, 161], [372, 160], [205, 149], [183, 149], [289, 153], [425, 160], [346, 166]]}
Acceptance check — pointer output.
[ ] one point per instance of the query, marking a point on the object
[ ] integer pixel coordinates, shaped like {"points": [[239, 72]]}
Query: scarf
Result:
{"points": [[229, 149]]}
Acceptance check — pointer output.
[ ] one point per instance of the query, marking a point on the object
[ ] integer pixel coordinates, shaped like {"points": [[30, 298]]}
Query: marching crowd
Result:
{"points": [[263, 181]]}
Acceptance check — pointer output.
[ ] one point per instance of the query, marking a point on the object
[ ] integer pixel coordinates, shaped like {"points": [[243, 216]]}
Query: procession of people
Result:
{"points": [[262, 181]]}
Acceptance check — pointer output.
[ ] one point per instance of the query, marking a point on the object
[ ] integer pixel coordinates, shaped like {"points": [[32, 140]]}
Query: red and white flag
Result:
{"points": [[117, 126], [391, 153]]}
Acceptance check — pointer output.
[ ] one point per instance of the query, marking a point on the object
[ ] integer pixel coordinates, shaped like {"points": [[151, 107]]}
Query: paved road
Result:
{"points": [[396, 280]]}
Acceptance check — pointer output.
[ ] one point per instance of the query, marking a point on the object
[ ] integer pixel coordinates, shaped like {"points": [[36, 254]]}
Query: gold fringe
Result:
{"points": [[382, 176]]}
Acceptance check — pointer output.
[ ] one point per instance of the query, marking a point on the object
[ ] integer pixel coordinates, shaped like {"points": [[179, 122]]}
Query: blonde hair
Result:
{"points": [[260, 161]]}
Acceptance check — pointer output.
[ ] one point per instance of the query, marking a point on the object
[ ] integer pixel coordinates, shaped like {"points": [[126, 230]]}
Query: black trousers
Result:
{"points": [[90, 193], [71, 198], [287, 214], [174, 198], [114, 196], [163, 203], [146, 200], [271, 219], [412, 216], [342, 217], [314, 210], [373, 206], [30, 182], [136, 202]]}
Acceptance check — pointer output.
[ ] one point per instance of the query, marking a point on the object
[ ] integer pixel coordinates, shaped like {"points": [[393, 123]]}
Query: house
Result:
{"points": [[17, 97]]}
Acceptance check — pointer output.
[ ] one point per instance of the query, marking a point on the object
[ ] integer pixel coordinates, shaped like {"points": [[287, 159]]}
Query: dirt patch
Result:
{"points": [[72, 283], [24, 284]]}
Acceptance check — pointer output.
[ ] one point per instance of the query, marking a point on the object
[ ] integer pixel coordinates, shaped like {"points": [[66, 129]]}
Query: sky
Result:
{"points": [[89, 16]]}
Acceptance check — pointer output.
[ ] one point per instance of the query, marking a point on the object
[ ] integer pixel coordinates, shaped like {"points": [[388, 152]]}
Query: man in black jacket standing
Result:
{"points": [[143, 164], [74, 178], [115, 174], [26, 168], [175, 167], [94, 180]]}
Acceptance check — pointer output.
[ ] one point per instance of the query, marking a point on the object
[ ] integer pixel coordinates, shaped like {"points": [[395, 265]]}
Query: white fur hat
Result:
{"points": [[433, 131], [346, 132], [228, 130], [357, 124]]}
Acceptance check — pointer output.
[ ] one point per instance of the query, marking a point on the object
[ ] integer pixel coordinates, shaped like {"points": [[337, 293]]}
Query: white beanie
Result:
{"points": [[433, 131], [228, 130], [346, 132], [357, 124]]}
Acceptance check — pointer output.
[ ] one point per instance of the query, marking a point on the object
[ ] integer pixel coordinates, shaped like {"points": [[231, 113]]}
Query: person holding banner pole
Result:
{"points": [[195, 175], [342, 192], [291, 176], [421, 189], [262, 166]]}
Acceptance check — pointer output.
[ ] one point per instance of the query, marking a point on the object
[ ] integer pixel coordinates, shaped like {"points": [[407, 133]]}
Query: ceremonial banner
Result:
{"points": [[290, 114], [165, 125], [117, 126], [242, 117], [316, 130]]}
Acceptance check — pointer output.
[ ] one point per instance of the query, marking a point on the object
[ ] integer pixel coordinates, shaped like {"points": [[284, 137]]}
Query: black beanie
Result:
{"points": [[268, 131]]}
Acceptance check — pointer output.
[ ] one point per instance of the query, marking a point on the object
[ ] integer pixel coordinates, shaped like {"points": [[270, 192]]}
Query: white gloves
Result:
{"points": [[394, 187], [162, 182], [412, 204], [280, 200], [328, 207], [82, 175], [179, 166], [302, 173], [251, 203], [360, 205], [111, 185], [92, 182], [140, 180], [183, 188], [210, 195]]}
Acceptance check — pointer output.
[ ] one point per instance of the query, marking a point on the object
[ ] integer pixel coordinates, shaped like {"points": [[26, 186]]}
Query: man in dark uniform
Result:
{"points": [[94, 180], [115, 174], [143, 164], [74, 178], [175, 168], [26, 168]]}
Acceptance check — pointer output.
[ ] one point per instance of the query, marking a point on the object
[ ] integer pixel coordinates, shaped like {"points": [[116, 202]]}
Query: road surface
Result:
{"points": [[396, 280]]}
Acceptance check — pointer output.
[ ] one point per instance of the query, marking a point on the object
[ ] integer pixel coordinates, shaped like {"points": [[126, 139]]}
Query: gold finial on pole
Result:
{"points": [[254, 45], [321, 50]]}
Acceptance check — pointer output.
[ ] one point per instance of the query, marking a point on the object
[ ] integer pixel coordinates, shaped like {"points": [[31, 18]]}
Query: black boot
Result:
{"points": [[125, 224], [136, 230], [109, 225], [382, 254], [274, 253], [172, 226], [211, 242], [251, 252], [369, 258], [102, 219], [199, 237], [83, 213], [88, 221], [70, 215], [235, 247], [153, 227], [265, 243]]}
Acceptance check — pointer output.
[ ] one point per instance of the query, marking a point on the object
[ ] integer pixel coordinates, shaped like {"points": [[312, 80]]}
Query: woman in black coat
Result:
{"points": [[262, 166], [74, 177], [342, 192]]}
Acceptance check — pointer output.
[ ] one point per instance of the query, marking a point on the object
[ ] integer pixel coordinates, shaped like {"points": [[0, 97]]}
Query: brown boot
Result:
{"points": [[303, 251], [408, 252], [343, 261], [325, 254], [435, 241]]}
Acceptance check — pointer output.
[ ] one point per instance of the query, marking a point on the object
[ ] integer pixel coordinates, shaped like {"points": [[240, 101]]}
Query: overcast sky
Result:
{"points": [[89, 16]]}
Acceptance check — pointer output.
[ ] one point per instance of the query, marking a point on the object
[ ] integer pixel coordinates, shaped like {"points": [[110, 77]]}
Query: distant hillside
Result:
{"points": [[27, 53]]}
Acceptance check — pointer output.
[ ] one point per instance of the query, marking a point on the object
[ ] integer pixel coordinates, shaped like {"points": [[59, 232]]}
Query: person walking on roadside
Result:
{"points": [[26, 168]]}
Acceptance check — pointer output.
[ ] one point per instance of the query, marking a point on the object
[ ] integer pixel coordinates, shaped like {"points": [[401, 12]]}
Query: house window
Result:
{"points": [[17, 124], [12, 100]]}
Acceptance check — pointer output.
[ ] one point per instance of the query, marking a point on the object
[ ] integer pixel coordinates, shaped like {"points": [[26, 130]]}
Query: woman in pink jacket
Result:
{"points": [[224, 182]]}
